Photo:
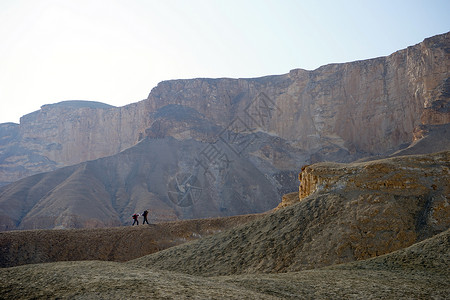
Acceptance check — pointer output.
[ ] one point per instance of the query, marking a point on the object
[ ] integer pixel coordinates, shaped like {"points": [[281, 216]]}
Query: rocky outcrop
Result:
{"points": [[288, 200], [347, 212], [408, 176], [419, 179]]}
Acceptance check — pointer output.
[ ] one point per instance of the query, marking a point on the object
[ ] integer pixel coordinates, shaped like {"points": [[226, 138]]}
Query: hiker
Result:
{"points": [[135, 218], [145, 214]]}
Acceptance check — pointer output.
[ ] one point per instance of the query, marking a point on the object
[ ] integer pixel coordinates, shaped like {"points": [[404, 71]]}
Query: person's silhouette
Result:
{"points": [[145, 214], [135, 218]]}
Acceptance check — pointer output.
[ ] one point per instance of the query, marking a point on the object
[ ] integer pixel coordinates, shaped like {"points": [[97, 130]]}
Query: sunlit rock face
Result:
{"points": [[337, 112], [369, 106], [393, 202]]}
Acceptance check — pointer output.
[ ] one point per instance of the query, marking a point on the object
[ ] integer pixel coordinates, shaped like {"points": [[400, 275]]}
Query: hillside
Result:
{"points": [[380, 278], [151, 175], [429, 255], [366, 230], [417, 272], [346, 212], [343, 212], [112, 244]]}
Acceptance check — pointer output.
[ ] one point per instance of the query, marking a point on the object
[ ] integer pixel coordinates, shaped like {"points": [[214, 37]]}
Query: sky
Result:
{"points": [[116, 51]]}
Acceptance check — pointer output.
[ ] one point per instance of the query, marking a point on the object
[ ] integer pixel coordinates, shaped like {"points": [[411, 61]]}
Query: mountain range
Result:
{"points": [[202, 147]]}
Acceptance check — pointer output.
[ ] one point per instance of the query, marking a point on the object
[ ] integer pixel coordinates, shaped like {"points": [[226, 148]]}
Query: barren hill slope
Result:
{"points": [[113, 244], [156, 174], [349, 212], [417, 272], [379, 278], [432, 254], [402, 201]]}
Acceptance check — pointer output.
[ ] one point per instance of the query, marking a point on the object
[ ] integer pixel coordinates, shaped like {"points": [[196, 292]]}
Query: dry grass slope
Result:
{"points": [[300, 237], [432, 255], [112, 244], [383, 277]]}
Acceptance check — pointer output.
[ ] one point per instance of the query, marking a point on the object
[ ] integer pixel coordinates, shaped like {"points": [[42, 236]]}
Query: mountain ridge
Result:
{"points": [[124, 126], [273, 125]]}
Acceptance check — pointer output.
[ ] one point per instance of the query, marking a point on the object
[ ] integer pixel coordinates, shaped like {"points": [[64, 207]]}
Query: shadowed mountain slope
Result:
{"points": [[156, 174], [435, 136]]}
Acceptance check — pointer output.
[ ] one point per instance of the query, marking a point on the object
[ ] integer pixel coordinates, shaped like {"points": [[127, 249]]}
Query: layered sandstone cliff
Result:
{"points": [[338, 112], [417, 178], [67, 133], [71, 132], [370, 106]]}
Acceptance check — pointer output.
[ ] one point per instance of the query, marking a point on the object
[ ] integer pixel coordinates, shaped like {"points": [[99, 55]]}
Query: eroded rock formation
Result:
{"points": [[274, 125], [347, 212]]}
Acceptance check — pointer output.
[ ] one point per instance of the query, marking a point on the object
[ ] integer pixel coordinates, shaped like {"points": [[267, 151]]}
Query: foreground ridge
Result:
{"points": [[370, 279]]}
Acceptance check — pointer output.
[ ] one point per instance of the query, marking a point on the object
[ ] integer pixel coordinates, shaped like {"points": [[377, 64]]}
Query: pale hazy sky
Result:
{"points": [[116, 51]]}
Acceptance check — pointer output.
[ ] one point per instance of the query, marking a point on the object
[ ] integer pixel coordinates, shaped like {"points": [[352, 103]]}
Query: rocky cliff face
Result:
{"points": [[337, 112], [370, 106], [273, 125], [67, 133], [418, 178]]}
